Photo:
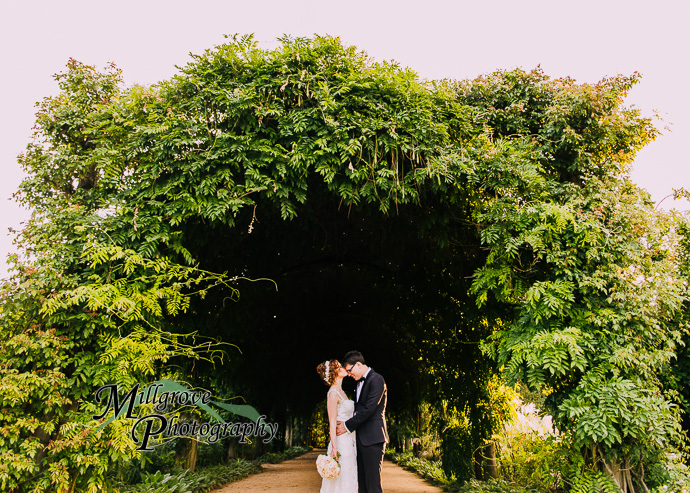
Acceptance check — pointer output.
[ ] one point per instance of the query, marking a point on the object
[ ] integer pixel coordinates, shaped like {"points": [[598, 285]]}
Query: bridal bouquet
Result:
{"points": [[328, 466]]}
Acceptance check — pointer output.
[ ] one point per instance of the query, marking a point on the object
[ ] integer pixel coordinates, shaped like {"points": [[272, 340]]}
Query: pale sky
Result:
{"points": [[585, 39]]}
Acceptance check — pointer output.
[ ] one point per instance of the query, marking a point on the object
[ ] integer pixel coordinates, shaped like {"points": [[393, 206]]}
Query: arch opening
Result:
{"points": [[394, 286]]}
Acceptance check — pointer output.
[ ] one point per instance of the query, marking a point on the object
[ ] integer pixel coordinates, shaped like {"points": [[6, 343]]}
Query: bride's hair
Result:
{"points": [[328, 371]]}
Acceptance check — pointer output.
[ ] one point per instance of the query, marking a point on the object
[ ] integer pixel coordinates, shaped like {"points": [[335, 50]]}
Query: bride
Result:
{"points": [[340, 408]]}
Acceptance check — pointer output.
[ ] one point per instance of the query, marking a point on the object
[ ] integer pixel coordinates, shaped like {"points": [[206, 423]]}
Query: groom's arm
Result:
{"points": [[368, 408]]}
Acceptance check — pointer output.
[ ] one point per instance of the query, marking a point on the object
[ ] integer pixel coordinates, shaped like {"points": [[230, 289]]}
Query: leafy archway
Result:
{"points": [[385, 209]]}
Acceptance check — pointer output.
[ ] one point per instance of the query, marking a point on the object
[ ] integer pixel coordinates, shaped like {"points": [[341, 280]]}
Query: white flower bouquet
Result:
{"points": [[327, 466]]}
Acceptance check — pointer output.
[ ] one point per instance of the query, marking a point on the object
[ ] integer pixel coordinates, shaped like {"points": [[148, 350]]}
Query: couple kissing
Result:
{"points": [[357, 428]]}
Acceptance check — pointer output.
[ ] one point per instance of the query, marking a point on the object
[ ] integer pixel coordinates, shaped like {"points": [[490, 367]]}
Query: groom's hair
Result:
{"points": [[353, 357]]}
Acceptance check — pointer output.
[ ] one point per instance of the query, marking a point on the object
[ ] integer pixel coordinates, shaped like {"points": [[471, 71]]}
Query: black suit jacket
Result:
{"points": [[369, 420]]}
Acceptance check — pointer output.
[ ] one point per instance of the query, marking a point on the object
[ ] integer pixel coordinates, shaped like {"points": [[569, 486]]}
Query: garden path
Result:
{"points": [[299, 476]]}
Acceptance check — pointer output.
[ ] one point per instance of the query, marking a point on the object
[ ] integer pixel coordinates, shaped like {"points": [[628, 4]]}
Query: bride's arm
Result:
{"points": [[332, 405]]}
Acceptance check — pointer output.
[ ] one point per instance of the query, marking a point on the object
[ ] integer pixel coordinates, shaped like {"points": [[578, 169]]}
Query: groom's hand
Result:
{"points": [[340, 428]]}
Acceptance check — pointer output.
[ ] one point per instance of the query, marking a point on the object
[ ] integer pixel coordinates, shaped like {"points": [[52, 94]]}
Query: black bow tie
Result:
{"points": [[362, 379]]}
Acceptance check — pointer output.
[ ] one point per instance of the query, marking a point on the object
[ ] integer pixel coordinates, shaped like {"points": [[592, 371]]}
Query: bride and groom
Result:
{"points": [[357, 428]]}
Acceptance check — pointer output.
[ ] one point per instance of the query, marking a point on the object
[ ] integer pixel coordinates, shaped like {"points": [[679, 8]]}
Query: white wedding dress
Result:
{"points": [[346, 482]]}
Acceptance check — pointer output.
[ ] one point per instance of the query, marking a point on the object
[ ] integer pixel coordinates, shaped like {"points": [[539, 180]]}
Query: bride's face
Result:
{"points": [[342, 372]]}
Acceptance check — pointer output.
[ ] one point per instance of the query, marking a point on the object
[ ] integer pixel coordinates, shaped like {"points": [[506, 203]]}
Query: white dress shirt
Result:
{"points": [[360, 384]]}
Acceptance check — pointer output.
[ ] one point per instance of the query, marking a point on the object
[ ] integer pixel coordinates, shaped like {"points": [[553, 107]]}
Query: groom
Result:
{"points": [[369, 422]]}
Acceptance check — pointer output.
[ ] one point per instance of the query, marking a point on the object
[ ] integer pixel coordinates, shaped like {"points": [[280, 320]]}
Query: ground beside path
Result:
{"points": [[299, 476]]}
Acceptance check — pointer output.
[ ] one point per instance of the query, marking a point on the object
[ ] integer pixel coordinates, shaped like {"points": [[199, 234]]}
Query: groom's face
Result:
{"points": [[355, 371]]}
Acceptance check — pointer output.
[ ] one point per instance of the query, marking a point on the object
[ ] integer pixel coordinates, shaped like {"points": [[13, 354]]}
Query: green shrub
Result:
{"points": [[179, 482], [491, 486], [430, 470], [534, 460], [205, 479], [271, 458], [276, 457], [213, 477], [457, 453], [669, 474], [200, 481], [210, 454], [593, 482]]}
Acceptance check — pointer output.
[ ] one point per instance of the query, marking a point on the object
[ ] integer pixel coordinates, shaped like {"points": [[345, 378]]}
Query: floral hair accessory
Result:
{"points": [[325, 375]]}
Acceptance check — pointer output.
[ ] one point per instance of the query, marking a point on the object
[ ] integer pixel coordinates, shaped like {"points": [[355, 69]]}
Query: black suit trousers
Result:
{"points": [[369, 463]]}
